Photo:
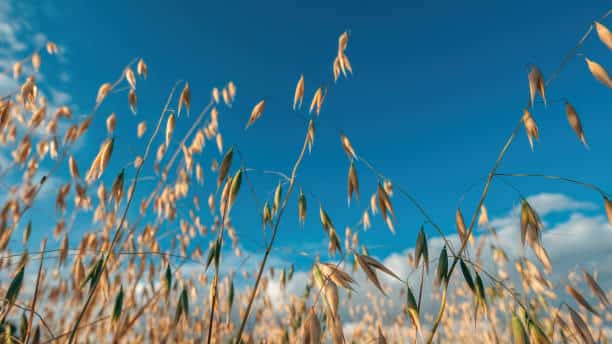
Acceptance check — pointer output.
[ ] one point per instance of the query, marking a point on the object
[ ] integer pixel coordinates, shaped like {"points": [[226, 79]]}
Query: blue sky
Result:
{"points": [[437, 88]]}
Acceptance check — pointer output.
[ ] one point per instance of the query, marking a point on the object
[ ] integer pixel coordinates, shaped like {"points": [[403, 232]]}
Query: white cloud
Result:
{"points": [[579, 242]]}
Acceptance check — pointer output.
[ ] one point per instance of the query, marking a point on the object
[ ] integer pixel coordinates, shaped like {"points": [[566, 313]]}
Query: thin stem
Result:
{"points": [[217, 260], [551, 177], [35, 298], [269, 246], [121, 223]]}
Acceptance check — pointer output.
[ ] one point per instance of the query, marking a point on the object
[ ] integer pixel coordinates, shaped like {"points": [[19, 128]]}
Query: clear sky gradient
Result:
{"points": [[437, 88]]}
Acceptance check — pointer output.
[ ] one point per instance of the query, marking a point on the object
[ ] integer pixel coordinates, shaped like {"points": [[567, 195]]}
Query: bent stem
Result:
{"points": [[269, 246], [471, 227]]}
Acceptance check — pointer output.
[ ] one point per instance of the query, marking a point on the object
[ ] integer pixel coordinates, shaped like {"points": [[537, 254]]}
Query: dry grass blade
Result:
{"points": [[581, 327], [368, 265], [381, 339], [604, 34], [580, 299], [599, 72], [337, 276], [311, 328], [595, 288]]}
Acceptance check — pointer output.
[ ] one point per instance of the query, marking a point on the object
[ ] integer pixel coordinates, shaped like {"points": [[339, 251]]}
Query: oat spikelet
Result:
{"points": [[185, 99], [74, 169], [574, 121], [531, 127], [133, 101], [17, 69], [604, 34], [169, 128], [599, 72], [101, 161], [317, 101], [256, 113], [103, 92], [580, 299], [141, 68], [536, 85], [51, 48], [130, 77], [111, 122], [348, 148], [310, 135], [353, 183], [483, 218], [608, 206], [299, 93], [142, 128], [36, 61]]}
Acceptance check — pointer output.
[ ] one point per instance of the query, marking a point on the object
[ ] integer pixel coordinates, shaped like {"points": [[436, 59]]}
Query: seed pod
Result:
{"points": [[599, 72], [596, 289], [574, 121]]}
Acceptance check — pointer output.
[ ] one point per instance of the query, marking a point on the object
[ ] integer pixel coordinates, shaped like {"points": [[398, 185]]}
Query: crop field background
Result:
{"points": [[420, 172]]}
